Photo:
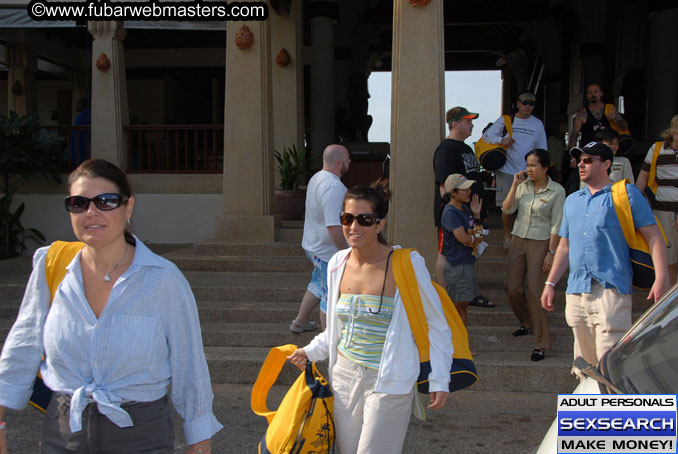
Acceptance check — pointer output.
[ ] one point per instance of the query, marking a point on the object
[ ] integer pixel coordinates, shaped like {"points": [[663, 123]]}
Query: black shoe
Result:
{"points": [[537, 355], [481, 301], [522, 331]]}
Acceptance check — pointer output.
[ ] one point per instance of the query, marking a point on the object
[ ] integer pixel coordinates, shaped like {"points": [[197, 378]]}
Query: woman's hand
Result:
{"points": [[548, 263], [298, 358], [438, 399], [519, 177], [201, 447], [476, 205]]}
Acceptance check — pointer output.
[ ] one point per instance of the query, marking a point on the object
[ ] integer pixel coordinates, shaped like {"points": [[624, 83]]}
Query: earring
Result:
{"points": [[129, 222]]}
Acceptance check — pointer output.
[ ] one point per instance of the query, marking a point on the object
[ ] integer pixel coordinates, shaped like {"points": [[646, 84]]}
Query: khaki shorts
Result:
{"points": [[666, 219]]}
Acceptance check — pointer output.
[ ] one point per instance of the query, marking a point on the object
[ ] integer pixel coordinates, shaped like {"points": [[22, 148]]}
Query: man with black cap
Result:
{"points": [[598, 295], [455, 156], [528, 134]]}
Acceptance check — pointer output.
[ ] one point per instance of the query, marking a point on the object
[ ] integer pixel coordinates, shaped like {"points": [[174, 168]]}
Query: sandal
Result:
{"points": [[481, 301], [297, 327]]}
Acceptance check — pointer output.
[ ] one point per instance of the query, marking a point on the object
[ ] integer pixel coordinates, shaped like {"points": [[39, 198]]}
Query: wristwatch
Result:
{"points": [[552, 252]]}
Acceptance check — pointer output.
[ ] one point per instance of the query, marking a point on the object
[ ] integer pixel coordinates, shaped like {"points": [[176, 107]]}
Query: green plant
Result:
{"points": [[294, 165], [26, 153]]}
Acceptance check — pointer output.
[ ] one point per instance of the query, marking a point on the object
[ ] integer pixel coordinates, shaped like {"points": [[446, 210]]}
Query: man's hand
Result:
{"points": [[508, 141], [547, 297], [438, 399]]}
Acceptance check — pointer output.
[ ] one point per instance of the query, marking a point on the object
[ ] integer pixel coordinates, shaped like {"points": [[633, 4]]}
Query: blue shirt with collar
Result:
{"points": [[598, 249], [147, 337]]}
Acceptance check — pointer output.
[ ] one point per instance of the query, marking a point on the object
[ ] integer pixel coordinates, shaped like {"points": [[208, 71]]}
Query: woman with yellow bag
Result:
{"points": [[373, 359]]}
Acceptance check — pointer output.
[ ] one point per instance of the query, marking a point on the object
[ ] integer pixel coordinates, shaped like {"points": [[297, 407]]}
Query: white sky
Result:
{"points": [[478, 91]]}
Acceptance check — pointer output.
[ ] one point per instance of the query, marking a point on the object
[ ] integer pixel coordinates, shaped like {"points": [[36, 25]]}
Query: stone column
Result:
{"points": [[110, 113], [417, 123], [663, 66], [21, 94], [323, 14], [248, 138]]}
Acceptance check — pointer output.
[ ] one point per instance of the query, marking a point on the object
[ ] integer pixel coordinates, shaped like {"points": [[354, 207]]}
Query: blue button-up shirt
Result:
{"points": [[147, 337], [598, 249]]}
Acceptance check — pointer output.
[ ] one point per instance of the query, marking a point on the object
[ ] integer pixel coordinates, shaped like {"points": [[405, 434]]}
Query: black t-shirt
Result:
{"points": [[592, 126], [454, 156]]}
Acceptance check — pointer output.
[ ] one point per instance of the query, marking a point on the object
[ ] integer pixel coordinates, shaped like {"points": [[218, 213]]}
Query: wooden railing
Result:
{"points": [[175, 148], [77, 146]]}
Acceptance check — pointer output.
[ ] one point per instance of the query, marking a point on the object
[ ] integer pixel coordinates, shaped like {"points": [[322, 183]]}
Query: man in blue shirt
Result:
{"points": [[598, 299]]}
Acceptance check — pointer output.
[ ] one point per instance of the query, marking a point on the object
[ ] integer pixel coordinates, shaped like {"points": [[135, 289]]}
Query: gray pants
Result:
{"points": [[152, 432]]}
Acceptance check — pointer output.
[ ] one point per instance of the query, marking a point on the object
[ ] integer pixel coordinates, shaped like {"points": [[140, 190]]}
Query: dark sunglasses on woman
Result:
{"points": [[365, 219], [103, 202]]}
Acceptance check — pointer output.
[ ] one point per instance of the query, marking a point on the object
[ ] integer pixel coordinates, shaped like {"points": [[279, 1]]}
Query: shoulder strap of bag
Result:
{"points": [[59, 255], [509, 125], [620, 200], [652, 178], [267, 376], [406, 281], [608, 110]]}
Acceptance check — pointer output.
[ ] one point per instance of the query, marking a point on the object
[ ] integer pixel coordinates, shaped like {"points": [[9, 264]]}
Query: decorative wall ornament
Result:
{"points": [[103, 63], [419, 2], [283, 58], [244, 38]]}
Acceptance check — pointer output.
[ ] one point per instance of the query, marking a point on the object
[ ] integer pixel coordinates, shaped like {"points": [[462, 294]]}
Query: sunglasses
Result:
{"points": [[527, 103], [588, 159], [104, 202], [365, 219]]}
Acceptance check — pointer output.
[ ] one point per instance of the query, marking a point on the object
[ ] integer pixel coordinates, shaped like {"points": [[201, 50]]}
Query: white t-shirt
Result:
{"points": [[528, 134], [324, 200]]}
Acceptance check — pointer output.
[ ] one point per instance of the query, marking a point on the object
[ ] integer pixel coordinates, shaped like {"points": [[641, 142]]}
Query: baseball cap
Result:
{"points": [[527, 96], [458, 113], [457, 181], [596, 149]]}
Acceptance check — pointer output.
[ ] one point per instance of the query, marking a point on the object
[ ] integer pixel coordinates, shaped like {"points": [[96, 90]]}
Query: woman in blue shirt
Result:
{"points": [[122, 327]]}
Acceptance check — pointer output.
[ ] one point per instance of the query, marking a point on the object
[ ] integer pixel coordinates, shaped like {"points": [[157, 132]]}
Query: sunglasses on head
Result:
{"points": [[365, 219], [588, 159], [527, 103], [103, 202]]}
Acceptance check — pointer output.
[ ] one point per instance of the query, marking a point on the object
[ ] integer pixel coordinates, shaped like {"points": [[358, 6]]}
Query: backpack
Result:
{"points": [[641, 259], [59, 255], [303, 422], [463, 371], [651, 188], [492, 156]]}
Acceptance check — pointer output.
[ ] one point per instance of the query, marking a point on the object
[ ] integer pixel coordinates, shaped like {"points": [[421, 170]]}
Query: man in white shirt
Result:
{"points": [[528, 134], [323, 236]]}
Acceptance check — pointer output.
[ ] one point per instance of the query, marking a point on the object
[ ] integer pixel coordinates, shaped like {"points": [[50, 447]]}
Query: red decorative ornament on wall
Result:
{"points": [[419, 2], [244, 38], [103, 63], [283, 58]]}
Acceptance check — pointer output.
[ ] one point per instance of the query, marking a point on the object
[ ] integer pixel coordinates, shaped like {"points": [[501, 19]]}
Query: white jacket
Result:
{"points": [[399, 367]]}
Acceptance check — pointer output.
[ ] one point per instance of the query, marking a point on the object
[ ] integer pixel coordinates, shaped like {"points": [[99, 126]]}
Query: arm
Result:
{"points": [[337, 236], [509, 204], [464, 238], [577, 123], [657, 246], [495, 133], [643, 176], [616, 118], [548, 260], [560, 264], [442, 190]]}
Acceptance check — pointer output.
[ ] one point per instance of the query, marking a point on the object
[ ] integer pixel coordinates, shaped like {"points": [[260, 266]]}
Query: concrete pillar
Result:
{"points": [[248, 138], [417, 125], [21, 93], [663, 66], [323, 15], [110, 113], [288, 81]]}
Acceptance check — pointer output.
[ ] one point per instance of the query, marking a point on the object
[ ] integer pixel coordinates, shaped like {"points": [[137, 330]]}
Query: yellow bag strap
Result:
{"points": [[607, 112], [406, 281], [267, 376], [620, 200], [509, 126], [652, 178], [59, 255]]}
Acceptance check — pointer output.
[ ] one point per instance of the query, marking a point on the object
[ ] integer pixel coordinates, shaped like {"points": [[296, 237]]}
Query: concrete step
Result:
{"points": [[241, 263], [276, 249], [289, 234]]}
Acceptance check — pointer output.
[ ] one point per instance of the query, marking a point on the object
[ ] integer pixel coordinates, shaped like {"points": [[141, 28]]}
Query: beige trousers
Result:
{"points": [[526, 258], [367, 422], [598, 320]]}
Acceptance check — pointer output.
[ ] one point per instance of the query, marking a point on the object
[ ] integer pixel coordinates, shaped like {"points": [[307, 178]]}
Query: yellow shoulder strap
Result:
{"points": [[267, 376], [608, 110], [620, 200], [59, 255], [406, 281], [509, 126], [652, 178]]}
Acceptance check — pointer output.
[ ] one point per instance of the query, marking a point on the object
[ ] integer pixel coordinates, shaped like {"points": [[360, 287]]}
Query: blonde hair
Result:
{"points": [[668, 133]]}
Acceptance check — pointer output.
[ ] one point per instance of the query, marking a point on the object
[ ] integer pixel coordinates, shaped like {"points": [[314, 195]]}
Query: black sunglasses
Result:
{"points": [[527, 103], [104, 202], [365, 219], [588, 159]]}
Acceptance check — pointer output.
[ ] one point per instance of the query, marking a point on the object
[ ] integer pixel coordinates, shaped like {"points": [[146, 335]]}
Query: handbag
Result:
{"points": [[639, 252], [463, 370], [59, 255], [492, 156], [303, 422]]}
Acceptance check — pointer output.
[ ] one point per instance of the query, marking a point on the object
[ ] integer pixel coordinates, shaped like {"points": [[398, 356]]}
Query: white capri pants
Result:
{"points": [[367, 422]]}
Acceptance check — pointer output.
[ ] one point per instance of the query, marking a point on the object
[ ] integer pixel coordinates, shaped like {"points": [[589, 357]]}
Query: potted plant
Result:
{"points": [[294, 167]]}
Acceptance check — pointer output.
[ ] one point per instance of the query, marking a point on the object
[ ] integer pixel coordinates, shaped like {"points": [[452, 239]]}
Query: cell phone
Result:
{"points": [[523, 175]]}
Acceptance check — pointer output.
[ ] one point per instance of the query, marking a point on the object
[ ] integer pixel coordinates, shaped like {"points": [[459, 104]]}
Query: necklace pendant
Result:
{"points": [[107, 277]]}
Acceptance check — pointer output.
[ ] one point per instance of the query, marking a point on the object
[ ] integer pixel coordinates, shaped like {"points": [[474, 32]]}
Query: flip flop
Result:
{"points": [[297, 327], [481, 301]]}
